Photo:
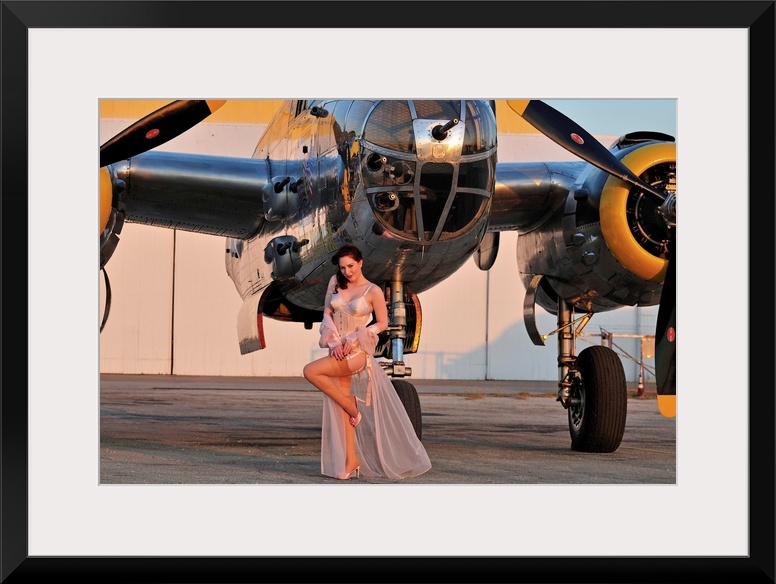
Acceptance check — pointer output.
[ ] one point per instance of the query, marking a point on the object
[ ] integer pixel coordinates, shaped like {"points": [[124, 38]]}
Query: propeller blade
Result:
{"points": [[157, 128], [571, 136], [665, 337]]}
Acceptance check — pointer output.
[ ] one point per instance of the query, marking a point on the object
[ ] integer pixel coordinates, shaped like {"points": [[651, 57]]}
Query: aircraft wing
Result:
{"points": [[216, 195]]}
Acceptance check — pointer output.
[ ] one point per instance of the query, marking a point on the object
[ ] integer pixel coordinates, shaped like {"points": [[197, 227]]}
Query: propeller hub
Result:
{"points": [[668, 210]]}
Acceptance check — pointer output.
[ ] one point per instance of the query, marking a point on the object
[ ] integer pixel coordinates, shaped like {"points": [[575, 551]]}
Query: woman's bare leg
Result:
{"points": [[325, 374], [333, 378], [351, 459]]}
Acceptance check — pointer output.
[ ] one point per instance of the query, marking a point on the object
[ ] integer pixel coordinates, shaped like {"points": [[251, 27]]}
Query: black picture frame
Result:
{"points": [[757, 17]]}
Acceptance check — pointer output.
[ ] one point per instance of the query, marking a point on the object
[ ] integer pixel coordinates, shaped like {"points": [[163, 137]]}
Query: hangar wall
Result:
{"points": [[174, 309]]}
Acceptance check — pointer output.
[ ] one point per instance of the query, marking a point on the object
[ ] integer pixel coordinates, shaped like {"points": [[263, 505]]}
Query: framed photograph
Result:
{"points": [[716, 524]]}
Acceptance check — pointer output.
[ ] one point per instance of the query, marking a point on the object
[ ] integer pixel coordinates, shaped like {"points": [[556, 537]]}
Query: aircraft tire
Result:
{"points": [[599, 401], [409, 399]]}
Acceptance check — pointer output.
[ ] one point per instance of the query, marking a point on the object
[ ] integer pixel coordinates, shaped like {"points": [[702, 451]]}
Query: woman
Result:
{"points": [[365, 428]]}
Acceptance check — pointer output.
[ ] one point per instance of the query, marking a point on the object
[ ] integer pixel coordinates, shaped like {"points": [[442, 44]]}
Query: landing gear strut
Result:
{"points": [[397, 329]]}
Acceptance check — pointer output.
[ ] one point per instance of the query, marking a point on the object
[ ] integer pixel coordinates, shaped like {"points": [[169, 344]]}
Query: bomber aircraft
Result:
{"points": [[417, 186]]}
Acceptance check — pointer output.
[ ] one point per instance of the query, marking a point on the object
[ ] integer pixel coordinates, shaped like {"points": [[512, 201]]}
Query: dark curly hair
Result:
{"points": [[347, 250]]}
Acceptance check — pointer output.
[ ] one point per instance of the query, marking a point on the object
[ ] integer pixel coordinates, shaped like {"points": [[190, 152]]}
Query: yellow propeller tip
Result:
{"points": [[214, 104], [667, 405], [106, 198], [519, 105]]}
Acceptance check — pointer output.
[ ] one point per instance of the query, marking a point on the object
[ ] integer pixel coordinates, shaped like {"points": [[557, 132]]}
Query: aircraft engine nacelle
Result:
{"points": [[214, 195], [614, 250]]}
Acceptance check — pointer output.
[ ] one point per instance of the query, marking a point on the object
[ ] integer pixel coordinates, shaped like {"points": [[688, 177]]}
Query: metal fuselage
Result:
{"points": [[378, 174]]}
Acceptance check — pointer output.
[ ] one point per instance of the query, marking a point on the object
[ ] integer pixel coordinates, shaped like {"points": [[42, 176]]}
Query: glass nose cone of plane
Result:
{"points": [[429, 165]]}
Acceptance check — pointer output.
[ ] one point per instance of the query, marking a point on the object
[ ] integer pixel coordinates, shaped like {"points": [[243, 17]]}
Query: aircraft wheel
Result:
{"points": [[409, 399], [599, 401]]}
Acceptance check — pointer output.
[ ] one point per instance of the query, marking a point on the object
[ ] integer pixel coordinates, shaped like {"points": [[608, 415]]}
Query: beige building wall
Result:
{"points": [[174, 309]]}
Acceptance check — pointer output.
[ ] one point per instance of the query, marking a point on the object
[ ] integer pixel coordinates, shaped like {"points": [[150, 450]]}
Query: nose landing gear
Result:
{"points": [[397, 331]]}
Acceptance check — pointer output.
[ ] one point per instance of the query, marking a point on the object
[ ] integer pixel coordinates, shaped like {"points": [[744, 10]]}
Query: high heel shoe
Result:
{"points": [[354, 420], [356, 470]]}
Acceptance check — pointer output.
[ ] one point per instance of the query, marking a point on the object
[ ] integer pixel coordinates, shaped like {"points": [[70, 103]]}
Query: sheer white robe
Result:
{"points": [[386, 443]]}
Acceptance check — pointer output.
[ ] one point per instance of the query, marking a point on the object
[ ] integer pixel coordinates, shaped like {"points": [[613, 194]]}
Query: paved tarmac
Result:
{"points": [[158, 429]]}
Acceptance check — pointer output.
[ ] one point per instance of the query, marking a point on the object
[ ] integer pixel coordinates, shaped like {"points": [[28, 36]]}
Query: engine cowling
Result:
{"points": [[111, 219], [631, 226], [614, 250]]}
